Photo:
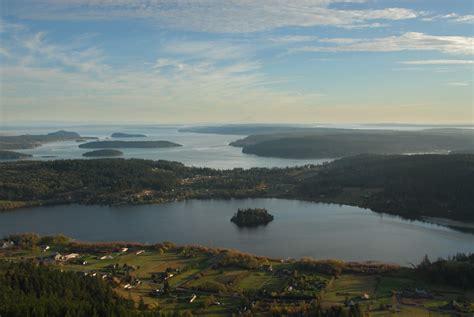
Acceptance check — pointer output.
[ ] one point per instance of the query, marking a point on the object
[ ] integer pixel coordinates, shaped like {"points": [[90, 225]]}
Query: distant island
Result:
{"points": [[10, 155], [128, 144], [127, 135], [251, 217], [103, 153], [30, 141]]}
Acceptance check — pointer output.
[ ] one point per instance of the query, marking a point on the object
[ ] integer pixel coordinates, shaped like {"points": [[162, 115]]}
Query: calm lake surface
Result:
{"points": [[299, 229]]}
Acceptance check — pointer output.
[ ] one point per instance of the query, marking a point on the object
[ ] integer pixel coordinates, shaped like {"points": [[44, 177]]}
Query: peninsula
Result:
{"points": [[334, 143]]}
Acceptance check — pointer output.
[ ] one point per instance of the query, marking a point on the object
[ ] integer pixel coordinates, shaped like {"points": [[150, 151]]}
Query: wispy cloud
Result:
{"points": [[452, 17], [410, 41], [217, 16], [440, 62], [207, 80]]}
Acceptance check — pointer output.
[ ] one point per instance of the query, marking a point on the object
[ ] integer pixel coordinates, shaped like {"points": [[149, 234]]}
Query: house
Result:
{"points": [[365, 296], [193, 298], [70, 256], [106, 257], [123, 250], [7, 244], [57, 257], [45, 248], [140, 252]]}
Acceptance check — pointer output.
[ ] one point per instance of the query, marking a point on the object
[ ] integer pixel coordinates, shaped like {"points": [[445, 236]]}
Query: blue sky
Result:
{"points": [[306, 61]]}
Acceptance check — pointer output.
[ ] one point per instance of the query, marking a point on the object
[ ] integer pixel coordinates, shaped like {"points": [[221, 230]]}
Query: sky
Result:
{"points": [[245, 61]]}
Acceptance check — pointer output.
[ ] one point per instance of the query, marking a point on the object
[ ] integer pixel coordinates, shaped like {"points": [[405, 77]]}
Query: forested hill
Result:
{"points": [[411, 186]]}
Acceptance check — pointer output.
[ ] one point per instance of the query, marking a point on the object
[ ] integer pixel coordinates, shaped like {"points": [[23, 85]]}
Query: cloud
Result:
{"points": [[440, 62], [47, 80], [233, 16], [452, 17], [212, 50], [410, 41], [293, 39], [460, 84]]}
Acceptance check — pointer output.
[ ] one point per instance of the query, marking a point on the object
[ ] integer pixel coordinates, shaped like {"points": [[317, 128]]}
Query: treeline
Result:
{"points": [[27, 289], [456, 271]]}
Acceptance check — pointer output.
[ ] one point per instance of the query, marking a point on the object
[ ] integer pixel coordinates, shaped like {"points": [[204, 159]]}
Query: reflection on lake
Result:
{"points": [[299, 229]]}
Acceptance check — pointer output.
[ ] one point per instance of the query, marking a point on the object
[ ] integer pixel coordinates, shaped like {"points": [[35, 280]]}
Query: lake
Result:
{"points": [[299, 229]]}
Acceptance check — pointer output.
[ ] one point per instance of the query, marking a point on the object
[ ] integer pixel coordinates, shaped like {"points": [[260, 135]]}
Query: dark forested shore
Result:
{"points": [[411, 186]]}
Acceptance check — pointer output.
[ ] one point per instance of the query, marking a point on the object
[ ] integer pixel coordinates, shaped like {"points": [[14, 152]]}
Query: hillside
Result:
{"points": [[411, 186]]}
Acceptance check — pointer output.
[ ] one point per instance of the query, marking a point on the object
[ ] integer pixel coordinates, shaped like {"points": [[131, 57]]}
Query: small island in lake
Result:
{"points": [[128, 144], [251, 217], [127, 135], [11, 155], [103, 153]]}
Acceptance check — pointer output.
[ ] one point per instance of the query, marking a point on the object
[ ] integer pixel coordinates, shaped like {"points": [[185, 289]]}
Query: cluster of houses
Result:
{"points": [[58, 258]]}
